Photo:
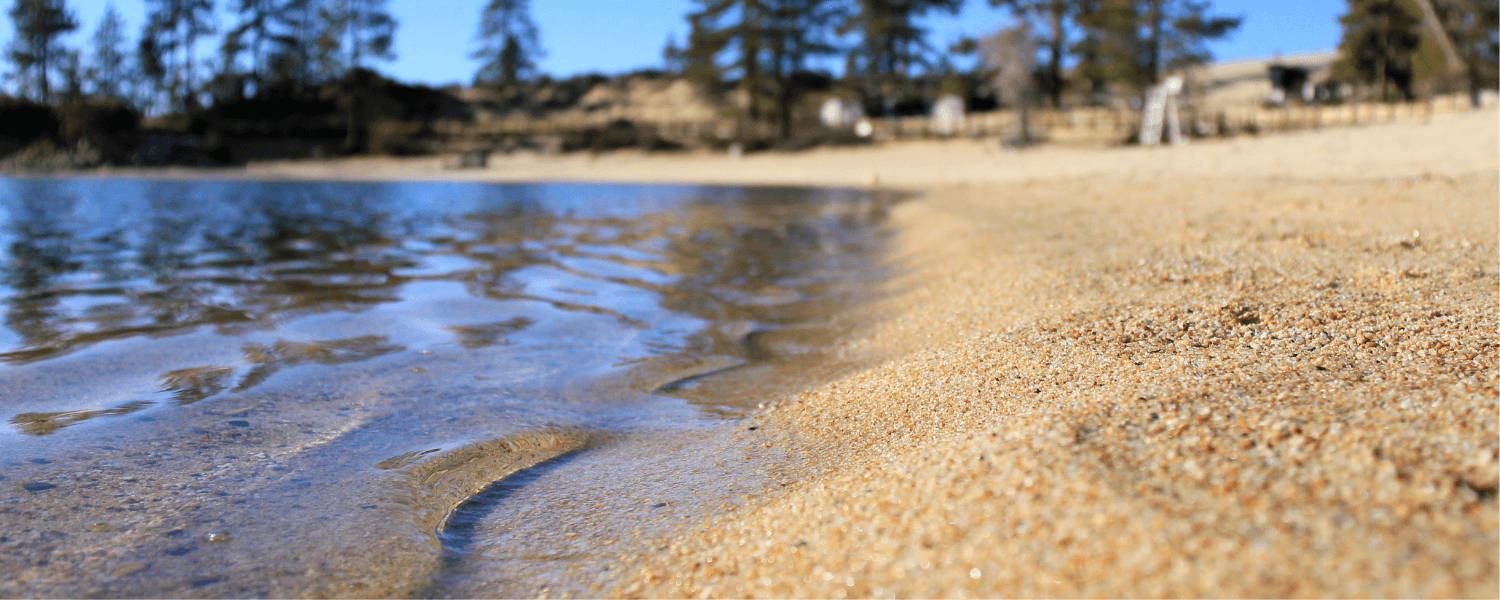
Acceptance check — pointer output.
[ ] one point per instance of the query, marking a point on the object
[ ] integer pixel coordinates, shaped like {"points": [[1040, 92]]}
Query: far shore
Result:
{"points": [[1250, 367], [912, 164]]}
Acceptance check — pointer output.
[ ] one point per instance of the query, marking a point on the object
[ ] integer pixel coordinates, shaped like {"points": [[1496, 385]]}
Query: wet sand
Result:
{"points": [[1256, 367]]}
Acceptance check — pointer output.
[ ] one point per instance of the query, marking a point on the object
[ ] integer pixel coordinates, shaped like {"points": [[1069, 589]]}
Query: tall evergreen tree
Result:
{"points": [[108, 70], [738, 26], [254, 34], [298, 56], [1108, 44], [1136, 42], [357, 30], [35, 51], [891, 43], [698, 59], [70, 69], [152, 67], [769, 41], [508, 43], [798, 30], [175, 26], [1176, 32], [1380, 39], [673, 57], [1057, 19]]}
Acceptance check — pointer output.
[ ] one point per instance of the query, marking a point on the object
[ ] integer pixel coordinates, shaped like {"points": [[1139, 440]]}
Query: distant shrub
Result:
{"points": [[96, 120], [813, 137], [23, 121], [618, 134]]}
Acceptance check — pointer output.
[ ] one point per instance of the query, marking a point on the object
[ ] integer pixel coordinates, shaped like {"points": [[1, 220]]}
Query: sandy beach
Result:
{"points": [[1254, 367], [1251, 368]]}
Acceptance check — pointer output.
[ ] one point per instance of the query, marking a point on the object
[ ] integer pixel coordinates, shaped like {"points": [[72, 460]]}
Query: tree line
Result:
{"points": [[773, 51], [766, 46], [1393, 45], [271, 43]]}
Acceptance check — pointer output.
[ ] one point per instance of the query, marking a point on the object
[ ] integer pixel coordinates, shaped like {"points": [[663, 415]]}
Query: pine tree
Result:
{"points": [[891, 43], [258, 20], [509, 46], [153, 70], [174, 27], [1057, 19], [35, 51], [70, 68], [770, 42], [1176, 32], [356, 30], [107, 72], [698, 59], [1136, 42], [673, 57], [1380, 39], [737, 26], [797, 30], [1091, 48], [296, 57]]}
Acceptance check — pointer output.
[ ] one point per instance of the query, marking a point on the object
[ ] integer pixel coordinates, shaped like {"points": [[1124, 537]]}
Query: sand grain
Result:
{"points": [[1275, 378]]}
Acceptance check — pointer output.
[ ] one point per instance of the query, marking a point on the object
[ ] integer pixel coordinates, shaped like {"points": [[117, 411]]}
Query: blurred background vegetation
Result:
{"points": [[300, 78]]}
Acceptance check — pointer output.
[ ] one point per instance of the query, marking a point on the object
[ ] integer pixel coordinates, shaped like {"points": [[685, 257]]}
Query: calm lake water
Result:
{"points": [[214, 388]]}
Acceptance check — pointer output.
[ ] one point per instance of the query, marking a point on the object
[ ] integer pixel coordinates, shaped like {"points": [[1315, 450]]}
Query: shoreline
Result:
{"points": [[1250, 367], [903, 164], [1264, 369]]}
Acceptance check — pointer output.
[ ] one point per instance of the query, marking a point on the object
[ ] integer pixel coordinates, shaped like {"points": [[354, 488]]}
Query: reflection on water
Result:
{"points": [[699, 273], [310, 378]]}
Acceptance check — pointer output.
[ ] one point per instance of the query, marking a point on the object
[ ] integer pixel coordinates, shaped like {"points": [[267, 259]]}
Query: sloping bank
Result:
{"points": [[1251, 368]]}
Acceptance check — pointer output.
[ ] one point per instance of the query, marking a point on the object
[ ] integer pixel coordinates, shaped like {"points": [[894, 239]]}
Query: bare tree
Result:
{"points": [[1056, 17], [1011, 54]]}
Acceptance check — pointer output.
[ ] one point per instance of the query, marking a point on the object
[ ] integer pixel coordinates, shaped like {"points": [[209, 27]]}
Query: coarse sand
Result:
{"points": [[1252, 369], [1255, 367]]}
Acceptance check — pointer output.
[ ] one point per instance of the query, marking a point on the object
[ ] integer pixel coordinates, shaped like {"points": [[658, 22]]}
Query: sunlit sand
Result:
{"points": [[1254, 367]]}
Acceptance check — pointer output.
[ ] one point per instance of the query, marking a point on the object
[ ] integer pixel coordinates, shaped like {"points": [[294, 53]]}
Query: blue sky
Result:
{"points": [[436, 37]]}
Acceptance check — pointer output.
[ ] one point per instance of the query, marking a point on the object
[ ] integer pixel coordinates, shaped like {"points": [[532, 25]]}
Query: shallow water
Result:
{"points": [[289, 388]]}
